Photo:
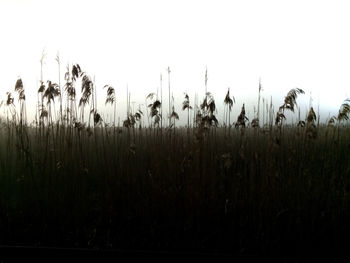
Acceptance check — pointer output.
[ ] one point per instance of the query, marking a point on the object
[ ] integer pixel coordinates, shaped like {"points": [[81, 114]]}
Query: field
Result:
{"points": [[208, 187]]}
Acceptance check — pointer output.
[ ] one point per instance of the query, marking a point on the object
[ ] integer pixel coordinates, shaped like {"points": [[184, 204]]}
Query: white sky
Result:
{"points": [[288, 44]]}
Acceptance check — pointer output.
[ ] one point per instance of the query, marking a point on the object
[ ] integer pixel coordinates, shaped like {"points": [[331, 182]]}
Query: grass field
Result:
{"points": [[205, 187]]}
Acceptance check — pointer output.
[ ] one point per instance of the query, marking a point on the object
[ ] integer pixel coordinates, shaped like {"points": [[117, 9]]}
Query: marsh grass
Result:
{"points": [[252, 190], [244, 192]]}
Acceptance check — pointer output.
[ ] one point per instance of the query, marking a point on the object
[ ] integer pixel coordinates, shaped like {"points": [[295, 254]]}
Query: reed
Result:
{"points": [[187, 187]]}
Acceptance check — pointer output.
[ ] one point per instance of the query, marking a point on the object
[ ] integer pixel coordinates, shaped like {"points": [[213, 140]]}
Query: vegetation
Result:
{"points": [[73, 180]]}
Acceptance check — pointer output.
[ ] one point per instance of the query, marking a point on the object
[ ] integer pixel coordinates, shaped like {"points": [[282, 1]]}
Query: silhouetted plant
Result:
{"points": [[257, 119], [59, 84], [331, 122], [97, 118], [50, 93], [279, 118], [41, 107], [242, 118], [311, 131], [21, 98], [229, 103], [86, 90], [255, 123], [131, 120], [301, 124], [154, 109], [311, 117], [168, 70], [207, 113], [71, 93], [10, 106], [111, 99], [76, 72], [344, 111], [41, 89], [186, 106], [174, 116], [289, 103]]}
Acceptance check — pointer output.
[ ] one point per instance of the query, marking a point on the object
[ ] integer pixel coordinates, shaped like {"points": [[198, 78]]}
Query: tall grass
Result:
{"points": [[255, 189]]}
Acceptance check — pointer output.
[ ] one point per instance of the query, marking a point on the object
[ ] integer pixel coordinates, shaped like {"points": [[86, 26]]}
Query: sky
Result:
{"points": [[286, 44]]}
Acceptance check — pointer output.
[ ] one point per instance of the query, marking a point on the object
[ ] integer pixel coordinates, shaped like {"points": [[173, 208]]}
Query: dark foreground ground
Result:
{"points": [[150, 193]]}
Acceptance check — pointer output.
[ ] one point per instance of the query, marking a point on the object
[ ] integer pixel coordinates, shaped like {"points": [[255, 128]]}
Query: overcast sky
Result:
{"points": [[288, 44]]}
